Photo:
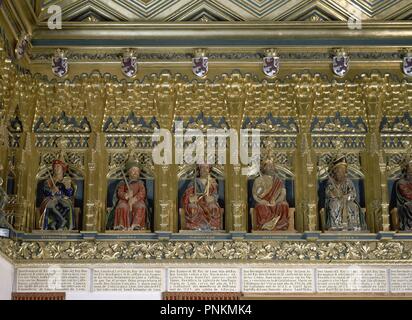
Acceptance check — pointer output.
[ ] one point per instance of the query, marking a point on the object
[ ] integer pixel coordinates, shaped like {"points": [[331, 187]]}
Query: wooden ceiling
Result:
{"points": [[225, 10]]}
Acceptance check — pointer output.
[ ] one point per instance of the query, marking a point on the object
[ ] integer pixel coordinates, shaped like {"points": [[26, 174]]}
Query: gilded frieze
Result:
{"points": [[276, 251]]}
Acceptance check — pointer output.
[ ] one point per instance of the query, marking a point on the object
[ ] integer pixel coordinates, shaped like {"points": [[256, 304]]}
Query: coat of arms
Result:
{"points": [[271, 66], [340, 64], [22, 45], [60, 64], [200, 64], [129, 64], [407, 65]]}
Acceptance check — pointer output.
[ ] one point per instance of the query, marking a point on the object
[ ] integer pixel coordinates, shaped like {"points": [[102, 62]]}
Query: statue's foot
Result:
{"points": [[335, 229], [63, 224]]}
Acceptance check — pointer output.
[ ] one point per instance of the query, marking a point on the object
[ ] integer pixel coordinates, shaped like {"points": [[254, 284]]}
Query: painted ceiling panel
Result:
{"points": [[226, 10]]}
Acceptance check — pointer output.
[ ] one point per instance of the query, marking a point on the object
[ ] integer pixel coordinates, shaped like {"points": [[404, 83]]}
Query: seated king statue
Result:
{"points": [[271, 209], [57, 206], [200, 202], [343, 212], [130, 199], [403, 191]]}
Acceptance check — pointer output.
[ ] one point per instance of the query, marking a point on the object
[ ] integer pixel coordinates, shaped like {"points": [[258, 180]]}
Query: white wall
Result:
{"points": [[6, 279]]}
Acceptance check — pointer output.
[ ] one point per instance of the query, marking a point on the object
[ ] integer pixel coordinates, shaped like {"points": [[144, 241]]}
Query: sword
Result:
{"points": [[51, 178], [128, 189]]}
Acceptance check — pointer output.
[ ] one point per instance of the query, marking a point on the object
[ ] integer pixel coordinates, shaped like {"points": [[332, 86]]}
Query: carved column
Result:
{"points": [[377, 202], [165, 207], [306, 179], [236, 182], [94, 218], [95, 186], [3, 152], [26, 182], [6, 84]]}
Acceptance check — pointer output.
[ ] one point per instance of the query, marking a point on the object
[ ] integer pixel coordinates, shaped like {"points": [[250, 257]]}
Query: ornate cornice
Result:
{"points": [[40, 57], [383, 27], [254, 34]]}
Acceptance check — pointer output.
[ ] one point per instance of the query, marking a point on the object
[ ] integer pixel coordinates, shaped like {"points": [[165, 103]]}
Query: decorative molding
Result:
{"points": [[134, 251], [130, 124], [338, 124], [203, 122], [223, 10], [62, 124], [398, 125], [40, 57], [277, 125]]}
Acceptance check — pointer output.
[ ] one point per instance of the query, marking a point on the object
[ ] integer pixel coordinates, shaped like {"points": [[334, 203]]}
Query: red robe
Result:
{"points": [[404, 203], [202, 215], [265, 213], [136, 217], [405, 189]]}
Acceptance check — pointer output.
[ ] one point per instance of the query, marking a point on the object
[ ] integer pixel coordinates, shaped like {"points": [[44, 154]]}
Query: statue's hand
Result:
{"points": [[264, 202], [259, 191], [210, 199], [67, 182], [193, 199], [132, 201], [129, 195]]}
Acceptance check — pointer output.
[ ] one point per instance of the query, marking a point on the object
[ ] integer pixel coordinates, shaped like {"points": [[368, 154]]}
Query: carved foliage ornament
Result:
{"points": [[63, 124], [131, 124], [233, 250], [402, 124], [338, 124], [272, 124]]}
